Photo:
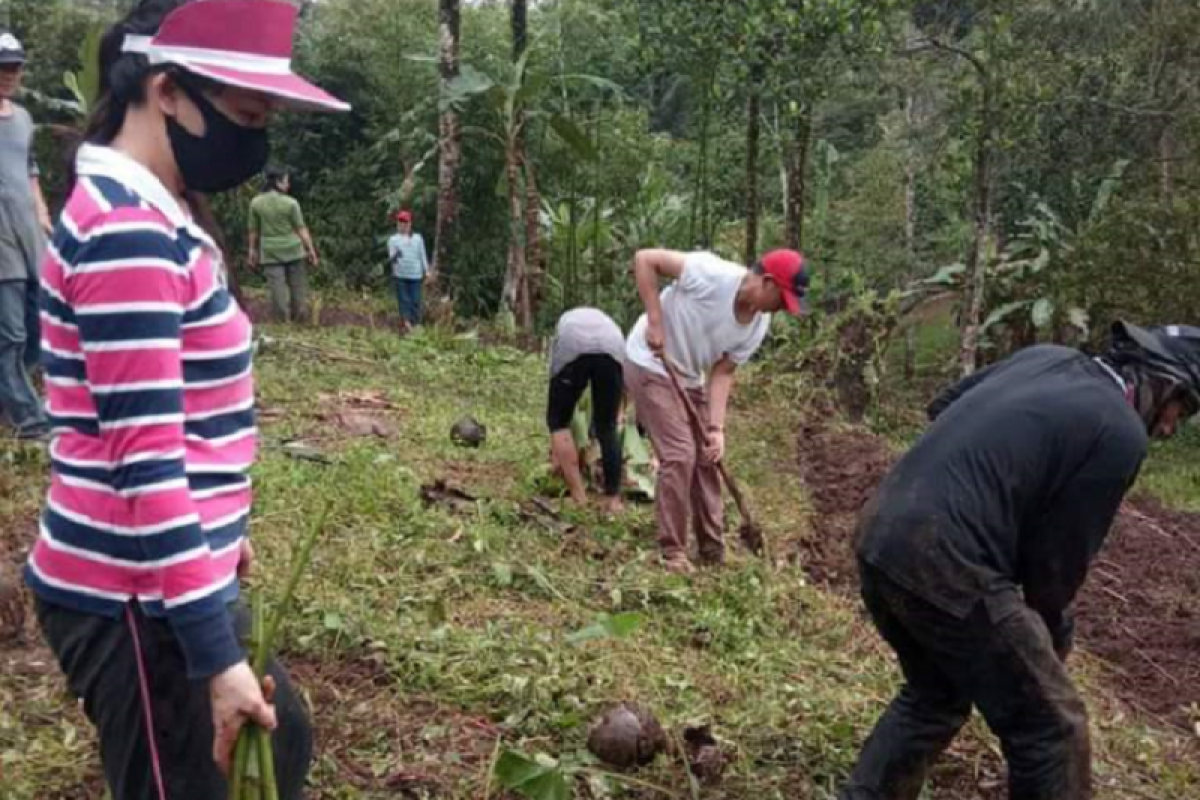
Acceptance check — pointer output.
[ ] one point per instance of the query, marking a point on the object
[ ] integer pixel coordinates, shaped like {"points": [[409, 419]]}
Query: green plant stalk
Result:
{"points": [[299, 565], [258, 616], [241, 760], [254, 743], [244, 784], [253, 781], [266, 763]]}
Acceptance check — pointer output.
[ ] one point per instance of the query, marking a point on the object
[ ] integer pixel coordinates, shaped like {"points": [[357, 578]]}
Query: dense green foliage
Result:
{"points": [[868, 123]]}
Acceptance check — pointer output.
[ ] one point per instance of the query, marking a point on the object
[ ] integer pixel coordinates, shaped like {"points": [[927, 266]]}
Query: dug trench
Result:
{"points": [[1139, 612]]}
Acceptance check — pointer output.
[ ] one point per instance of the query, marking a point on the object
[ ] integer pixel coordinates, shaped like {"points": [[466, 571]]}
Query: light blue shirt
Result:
{"points": [[407, 254]]}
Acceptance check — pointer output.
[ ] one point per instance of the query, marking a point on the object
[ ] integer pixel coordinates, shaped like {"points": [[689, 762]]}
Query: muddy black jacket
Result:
{"points": [[1012, 489]]}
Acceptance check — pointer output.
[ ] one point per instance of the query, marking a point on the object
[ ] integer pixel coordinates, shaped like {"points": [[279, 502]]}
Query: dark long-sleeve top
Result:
{"points": [[1015, 484]]}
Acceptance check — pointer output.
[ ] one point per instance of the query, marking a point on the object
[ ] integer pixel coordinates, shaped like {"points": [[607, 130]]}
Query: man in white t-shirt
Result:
{"points": [[708, 322]]}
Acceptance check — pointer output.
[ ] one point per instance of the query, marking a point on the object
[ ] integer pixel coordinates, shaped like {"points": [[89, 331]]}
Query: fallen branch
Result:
{"points": [[1113, 593], [1174, 681]]}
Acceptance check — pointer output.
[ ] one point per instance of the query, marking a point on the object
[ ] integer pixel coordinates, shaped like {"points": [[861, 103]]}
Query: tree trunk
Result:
{"points": [[533, 246], [516, 281], [697, 224], [514, 273], [796, 162], [449, 142], [976, 274], [408, 184], [753, 128], [782, 148], [910, 228]]}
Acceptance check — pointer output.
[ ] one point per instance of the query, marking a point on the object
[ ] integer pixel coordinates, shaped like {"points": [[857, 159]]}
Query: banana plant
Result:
{"points": [[1026, 278], [516, 100], [84, 83]]}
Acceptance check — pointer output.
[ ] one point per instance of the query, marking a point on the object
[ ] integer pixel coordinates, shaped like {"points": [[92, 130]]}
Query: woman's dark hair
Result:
{"points": [[123, 84], [273, 178], [123, 75]]}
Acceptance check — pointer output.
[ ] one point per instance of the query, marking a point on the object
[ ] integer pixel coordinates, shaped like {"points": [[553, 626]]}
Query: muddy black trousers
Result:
{"points": [[1006, 667], [115, 673]]}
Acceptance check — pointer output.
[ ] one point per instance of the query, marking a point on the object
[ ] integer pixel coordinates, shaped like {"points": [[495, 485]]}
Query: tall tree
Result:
{"points": [[802, 64], [753, 129], [985, 48], [449, 140], [516, 293]]}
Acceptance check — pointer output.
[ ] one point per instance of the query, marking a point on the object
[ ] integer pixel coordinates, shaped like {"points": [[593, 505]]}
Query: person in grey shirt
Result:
{"points": [[24, 223], [588, 350]]}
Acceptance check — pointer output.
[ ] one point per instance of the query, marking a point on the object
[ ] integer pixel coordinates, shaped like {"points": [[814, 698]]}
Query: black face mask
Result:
{"points": [[225, 157]]}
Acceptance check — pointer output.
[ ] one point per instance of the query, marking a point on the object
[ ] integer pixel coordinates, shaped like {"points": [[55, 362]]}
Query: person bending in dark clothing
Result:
{"points": [[972, 550], [587, 351]]}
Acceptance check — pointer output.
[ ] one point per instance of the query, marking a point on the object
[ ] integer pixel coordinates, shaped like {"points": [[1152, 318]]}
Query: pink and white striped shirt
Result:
{"points": [[150, 394]]}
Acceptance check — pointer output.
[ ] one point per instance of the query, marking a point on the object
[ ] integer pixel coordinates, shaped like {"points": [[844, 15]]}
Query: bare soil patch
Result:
{"points": [[1139, 611], [376, 743], [841, 468]]}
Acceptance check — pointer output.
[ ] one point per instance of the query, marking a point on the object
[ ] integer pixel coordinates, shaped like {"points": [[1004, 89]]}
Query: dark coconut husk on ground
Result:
{"points": [[706, 759], [468, 432], [627, 736]]}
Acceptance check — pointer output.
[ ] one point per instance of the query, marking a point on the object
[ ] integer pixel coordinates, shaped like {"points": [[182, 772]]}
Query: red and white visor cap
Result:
{"points": [[243, 43]]}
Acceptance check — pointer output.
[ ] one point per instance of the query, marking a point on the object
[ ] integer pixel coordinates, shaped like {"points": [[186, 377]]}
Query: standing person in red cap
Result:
{"points": [[708, 322], [149, 381], [410, 266]]}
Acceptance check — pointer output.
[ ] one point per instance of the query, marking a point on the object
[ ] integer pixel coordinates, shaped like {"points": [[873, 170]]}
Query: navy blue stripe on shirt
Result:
{"points": [[205, 370], [68, 368], [114, 193], [57, 308], [226, 535], [209, 481], [114, 406], [136, 475], [127, 326], [85, 425], [133, 245], [217, 303], [74, 600], [222, 425], [136, 548]]}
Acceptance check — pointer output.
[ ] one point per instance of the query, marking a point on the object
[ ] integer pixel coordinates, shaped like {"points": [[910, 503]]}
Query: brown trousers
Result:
{"points": [[686, 485]]}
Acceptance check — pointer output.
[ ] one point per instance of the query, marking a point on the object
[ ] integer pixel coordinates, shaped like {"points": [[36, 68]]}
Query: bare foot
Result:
{"points": [[678, 564], [611, 505]]}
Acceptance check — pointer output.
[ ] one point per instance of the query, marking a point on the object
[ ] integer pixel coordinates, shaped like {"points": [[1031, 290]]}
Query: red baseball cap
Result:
{"points": [[243, 43], [786, 269], [403, 216]]}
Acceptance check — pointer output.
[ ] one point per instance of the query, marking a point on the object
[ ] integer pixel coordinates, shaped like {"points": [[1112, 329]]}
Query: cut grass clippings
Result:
{"points": [[431, 637]]}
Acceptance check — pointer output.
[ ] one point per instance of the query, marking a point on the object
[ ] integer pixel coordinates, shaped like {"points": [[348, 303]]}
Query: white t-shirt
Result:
{"points": [[585, 331], [699, 321]]}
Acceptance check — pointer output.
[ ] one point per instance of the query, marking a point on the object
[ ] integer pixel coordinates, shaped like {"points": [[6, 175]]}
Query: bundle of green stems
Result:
{"points": [[253, 774]]}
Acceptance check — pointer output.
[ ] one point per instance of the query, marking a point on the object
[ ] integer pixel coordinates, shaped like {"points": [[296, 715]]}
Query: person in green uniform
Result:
{"points": [[280, 243]]}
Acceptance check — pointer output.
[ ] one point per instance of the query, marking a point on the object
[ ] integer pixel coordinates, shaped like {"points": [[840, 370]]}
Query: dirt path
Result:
{"points": [[1139, 611]]}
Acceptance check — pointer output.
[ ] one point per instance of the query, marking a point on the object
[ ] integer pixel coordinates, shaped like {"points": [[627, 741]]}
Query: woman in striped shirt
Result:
{"points": [[149, 383]]}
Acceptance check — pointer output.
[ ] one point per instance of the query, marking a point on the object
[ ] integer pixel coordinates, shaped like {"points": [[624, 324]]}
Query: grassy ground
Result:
{"points": [[430, 637]]}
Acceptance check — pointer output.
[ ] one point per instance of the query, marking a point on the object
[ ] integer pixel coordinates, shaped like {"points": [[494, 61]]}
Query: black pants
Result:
{"points": [[100, 659], [604, 374], [1007, 668]]}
